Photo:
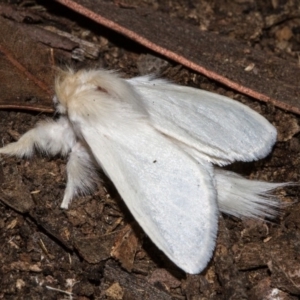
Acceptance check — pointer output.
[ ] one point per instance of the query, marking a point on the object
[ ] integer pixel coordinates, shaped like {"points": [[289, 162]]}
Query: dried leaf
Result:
{"points": [[132, 286], [275, 80], [26, 76], [97, 249], [126, 246]]}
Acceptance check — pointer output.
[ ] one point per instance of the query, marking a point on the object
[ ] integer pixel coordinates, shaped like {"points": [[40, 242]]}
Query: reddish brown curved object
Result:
{"points": [[219, 58], [24, 84]]}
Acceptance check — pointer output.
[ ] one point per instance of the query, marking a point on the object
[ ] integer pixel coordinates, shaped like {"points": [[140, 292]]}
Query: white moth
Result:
{"points": [[160, 144]]}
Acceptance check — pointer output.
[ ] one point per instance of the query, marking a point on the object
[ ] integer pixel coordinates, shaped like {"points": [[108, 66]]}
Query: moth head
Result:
{"points": [[92, 92], [70, 86], [65, 84]]}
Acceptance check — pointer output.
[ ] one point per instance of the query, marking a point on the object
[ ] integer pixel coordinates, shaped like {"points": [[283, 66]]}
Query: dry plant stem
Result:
{"points": [[174, 56], [26, 73], [15, 63], [28, 108]]}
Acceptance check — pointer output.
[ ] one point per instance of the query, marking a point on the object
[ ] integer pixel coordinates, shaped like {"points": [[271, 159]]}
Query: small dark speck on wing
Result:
{"points": [[99, 88]]}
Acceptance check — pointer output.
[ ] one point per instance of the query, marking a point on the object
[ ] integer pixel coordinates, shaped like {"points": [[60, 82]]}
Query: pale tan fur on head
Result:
{"points": [[80, 89], [65, 82], [69, 83]]}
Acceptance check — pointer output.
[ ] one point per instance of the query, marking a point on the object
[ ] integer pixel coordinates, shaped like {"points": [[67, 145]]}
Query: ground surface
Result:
{"points": [[43, 246]]}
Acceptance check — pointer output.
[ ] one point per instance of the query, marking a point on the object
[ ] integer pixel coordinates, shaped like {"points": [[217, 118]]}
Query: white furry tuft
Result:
{"points": [[241, 197], [49, 137], [82, 174]]}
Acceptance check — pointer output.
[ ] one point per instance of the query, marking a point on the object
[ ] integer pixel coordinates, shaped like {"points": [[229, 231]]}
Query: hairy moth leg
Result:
{"points": [[81, 172], [50, 137]]}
